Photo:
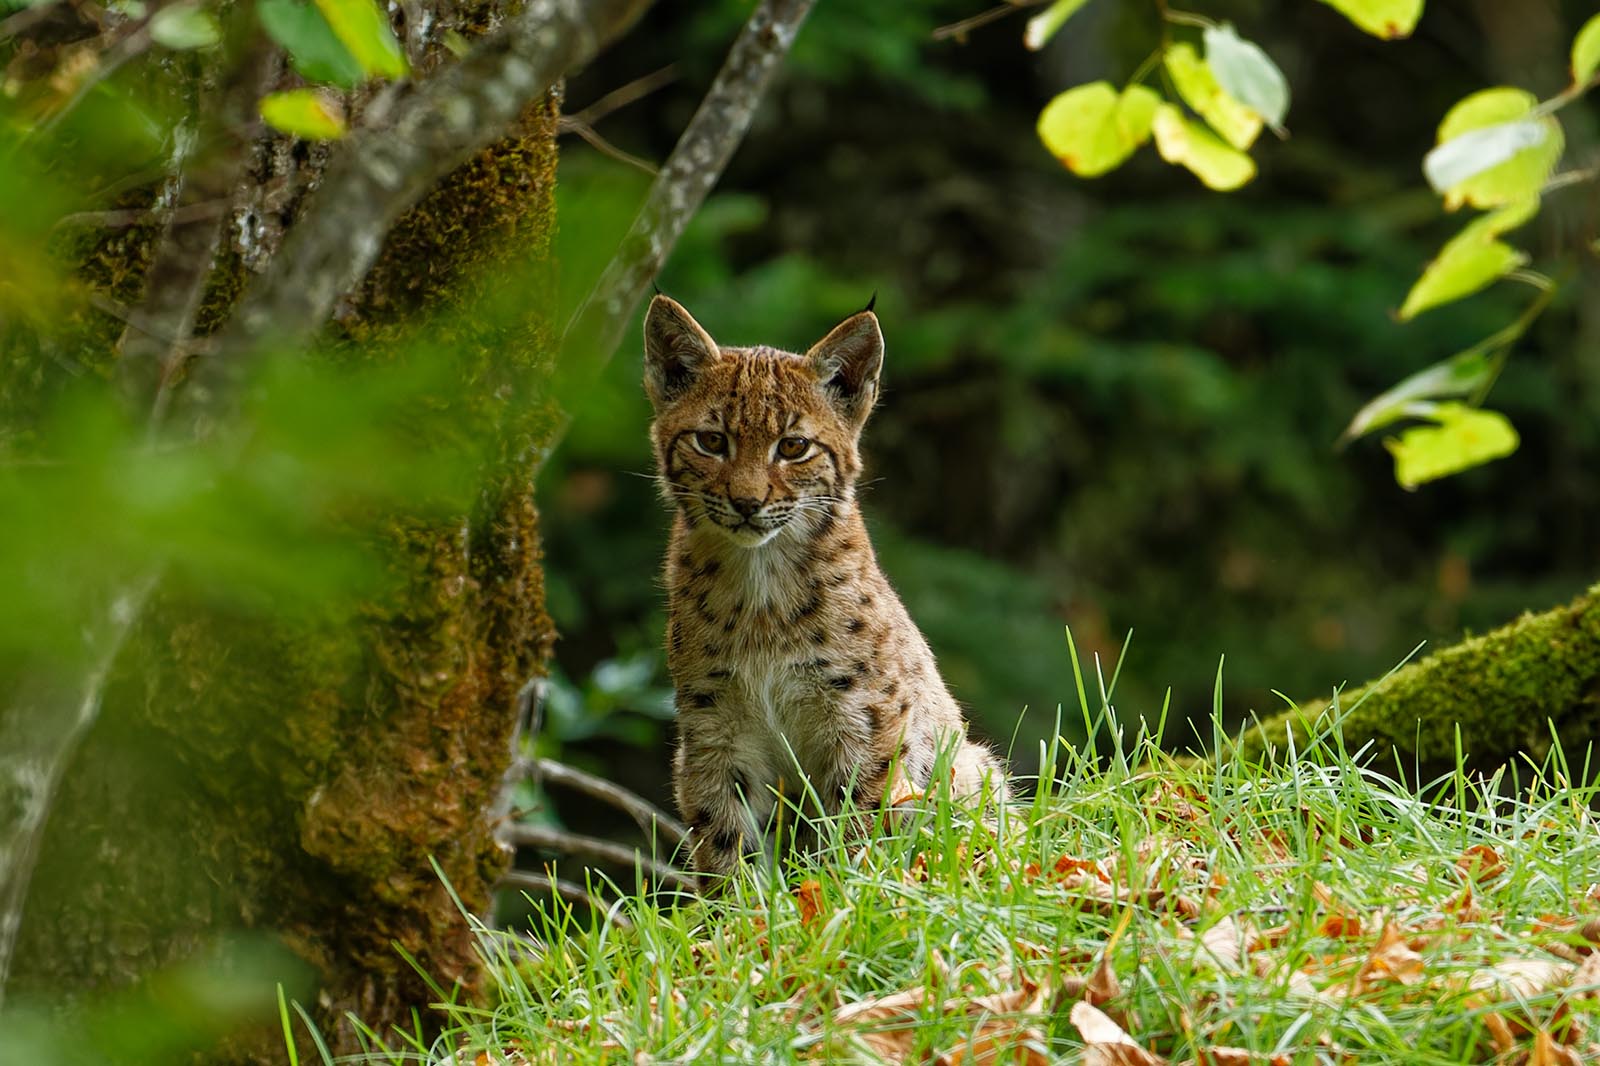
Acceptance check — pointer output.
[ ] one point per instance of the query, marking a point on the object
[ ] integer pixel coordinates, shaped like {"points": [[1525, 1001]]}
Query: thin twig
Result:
{"points": [[537, 885], [650, 818], [133, 216], [633, 92], [593, 849], [959, 30], [702, 153], [570, 124]]}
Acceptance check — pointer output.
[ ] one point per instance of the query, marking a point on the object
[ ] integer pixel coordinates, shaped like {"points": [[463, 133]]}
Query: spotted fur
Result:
{"points": [[786, 644]]}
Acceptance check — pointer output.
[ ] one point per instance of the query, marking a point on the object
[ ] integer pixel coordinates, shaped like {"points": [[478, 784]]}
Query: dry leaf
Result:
{"points": [[1236, 1056], [1391, 960], [1519, 979], [1226, 942], [809, 899], [1547, 1051], [1480, 863], [1102, 986], [1106, 1042], [1586, 979], [1340, 926]]}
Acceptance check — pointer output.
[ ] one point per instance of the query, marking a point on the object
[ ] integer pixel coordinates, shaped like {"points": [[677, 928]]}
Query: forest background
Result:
{"points": [[1109, 404]]}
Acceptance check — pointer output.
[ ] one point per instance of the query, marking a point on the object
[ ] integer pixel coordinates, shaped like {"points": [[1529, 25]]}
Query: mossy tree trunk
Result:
{"points": [[1515, 691], [297, 776]]}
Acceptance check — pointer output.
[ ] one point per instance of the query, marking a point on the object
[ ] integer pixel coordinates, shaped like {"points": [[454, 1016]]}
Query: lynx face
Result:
{"points": [[756, 442]]}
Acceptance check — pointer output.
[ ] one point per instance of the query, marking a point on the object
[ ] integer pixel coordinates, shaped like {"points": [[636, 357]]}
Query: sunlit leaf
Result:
{"points": [[1500, 157], [184, 26], [1043, 26], [313, 49], [1381, 18], [1193, 146], [1471, 260], [1461, 270], [362, 27], [304, 113], [1462, 438], [1195, 82], [1460, 375], [1586, 51], [1247, 73], [1092, 128]]}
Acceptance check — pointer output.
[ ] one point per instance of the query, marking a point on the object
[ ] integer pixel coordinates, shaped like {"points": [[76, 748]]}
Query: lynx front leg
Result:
{"points": [[723, 806]]}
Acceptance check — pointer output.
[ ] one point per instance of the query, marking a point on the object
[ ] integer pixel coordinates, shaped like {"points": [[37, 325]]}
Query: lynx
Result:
{"points": [[787, 647]]}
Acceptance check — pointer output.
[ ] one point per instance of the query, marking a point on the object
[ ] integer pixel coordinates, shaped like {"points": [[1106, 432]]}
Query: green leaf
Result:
{"points": [[1092, 128], [1460, 270], [1043, 26], [1460, 375], [1238, 124], [184, 26], [1471, 259], [1502, 159], [362, 27], [1462, 438], [1586, 52], [1381, 18], [313, 49], [304, 113], [1191, 145], [1247, 73]]}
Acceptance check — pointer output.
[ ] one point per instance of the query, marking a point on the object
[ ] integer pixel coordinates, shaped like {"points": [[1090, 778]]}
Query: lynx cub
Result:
{"points": [[783, 635]]}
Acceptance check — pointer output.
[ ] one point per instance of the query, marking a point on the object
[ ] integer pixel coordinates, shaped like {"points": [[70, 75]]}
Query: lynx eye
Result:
{"points": [[793, 448], [710, 442]]}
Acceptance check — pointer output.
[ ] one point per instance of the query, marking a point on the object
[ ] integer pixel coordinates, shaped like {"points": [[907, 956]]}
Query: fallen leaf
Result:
{"points": [[1107, 1044], [1235, 1056], [1102, 986], [1480, 863], [1391, 960], [809, 899], [1547, 1051]]}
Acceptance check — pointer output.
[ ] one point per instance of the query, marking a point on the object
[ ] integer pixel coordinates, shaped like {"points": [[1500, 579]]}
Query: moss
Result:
{"points": [[1503, 690], [299, 774]]}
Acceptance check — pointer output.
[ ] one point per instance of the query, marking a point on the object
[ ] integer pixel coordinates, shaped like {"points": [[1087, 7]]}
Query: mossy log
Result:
{"points": [[1518, 690]]}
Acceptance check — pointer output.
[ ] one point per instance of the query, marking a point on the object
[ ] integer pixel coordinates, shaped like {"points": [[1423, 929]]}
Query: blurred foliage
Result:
{"points": [[1110, 404], [168, 1017]]}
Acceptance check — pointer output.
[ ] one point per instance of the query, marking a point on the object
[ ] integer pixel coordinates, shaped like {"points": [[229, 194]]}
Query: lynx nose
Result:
{"points": [[745, 505]]}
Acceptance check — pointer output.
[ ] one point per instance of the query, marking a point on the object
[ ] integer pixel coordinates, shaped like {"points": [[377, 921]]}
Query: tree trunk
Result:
{"points": [[1519, 689], [297, 776]]}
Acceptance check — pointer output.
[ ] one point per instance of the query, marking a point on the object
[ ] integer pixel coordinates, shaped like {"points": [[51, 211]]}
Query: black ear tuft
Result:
{"points": [[847, 362], [872, 302], [657, 288], [676, 349]]}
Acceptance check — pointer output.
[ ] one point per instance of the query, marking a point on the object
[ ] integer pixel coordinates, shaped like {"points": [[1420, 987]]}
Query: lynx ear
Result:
{"points": [[676, 349], [847, 362]]}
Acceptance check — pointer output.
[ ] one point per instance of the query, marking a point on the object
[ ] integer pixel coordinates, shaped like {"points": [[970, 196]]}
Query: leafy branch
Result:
{"points": [[1497, 150]]}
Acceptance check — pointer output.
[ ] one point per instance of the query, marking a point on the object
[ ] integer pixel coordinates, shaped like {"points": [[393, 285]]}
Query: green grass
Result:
{"points": [[1306, 863]]}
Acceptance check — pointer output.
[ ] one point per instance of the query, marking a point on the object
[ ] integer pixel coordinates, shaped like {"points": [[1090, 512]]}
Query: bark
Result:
{"points": [[1517, 690], [281, 772]]}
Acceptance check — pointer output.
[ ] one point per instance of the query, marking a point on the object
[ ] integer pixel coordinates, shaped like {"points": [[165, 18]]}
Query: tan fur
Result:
{"points": [[783, 635]]}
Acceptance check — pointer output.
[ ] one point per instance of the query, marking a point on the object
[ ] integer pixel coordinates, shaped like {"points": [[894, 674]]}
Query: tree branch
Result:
{"points": [[536, 885], [595, 850], [698, 160], [649, 817], [40, 728], [385, 167]]}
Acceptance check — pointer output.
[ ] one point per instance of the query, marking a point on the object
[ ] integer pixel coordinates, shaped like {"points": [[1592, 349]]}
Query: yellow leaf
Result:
{"points": [[1381, 18], [1195, 82], [1209, 159], [306, 113], [1092, 128], [1521, 174]]}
